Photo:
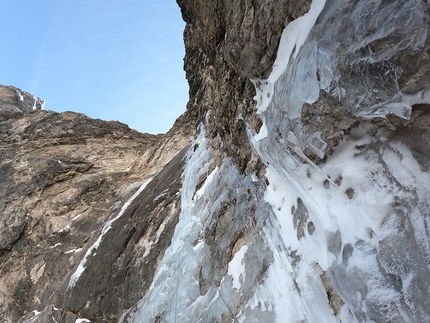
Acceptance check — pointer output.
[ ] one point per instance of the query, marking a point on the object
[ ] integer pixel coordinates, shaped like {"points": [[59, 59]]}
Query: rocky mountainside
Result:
{"points": [[64, 176], [15, 100], [306, 200]]}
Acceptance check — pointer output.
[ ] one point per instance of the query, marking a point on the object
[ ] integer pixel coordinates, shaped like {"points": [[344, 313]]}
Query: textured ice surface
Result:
{"points": [[343, 49], [368, 228], [363, 216], [175, 285]]}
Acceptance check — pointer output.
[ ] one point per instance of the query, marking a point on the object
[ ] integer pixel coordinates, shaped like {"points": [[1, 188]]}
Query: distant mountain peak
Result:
{"points": [[15, 100]]}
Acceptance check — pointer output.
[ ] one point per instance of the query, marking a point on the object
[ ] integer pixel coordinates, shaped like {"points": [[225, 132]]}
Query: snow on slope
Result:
{"points": [[327, 225]]}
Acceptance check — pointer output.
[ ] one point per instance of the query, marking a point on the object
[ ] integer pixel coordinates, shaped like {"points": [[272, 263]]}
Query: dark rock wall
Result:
{"points": [[226, 44]]}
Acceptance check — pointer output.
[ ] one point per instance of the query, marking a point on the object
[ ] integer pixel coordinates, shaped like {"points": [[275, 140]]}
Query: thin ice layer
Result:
{"points": [[107, 226]]}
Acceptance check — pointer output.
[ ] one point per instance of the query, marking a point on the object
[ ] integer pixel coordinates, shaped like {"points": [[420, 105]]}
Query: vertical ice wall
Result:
{"points": [[344, 51], [350, 216], [175, 283]]}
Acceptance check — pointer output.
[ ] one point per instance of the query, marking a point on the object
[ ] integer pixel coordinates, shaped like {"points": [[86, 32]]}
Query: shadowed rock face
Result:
{"points": [[93, 215]]}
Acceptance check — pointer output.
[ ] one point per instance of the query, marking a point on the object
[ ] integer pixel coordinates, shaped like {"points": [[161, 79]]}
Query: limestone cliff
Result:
{"points": [[307, 199], [63, 177]]}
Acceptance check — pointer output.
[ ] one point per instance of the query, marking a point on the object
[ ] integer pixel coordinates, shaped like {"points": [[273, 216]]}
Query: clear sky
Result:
{"points": [[109, 59]]}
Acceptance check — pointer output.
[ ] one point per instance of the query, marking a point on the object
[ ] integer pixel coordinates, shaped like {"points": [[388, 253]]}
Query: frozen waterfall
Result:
{"points": [[359, 220]]}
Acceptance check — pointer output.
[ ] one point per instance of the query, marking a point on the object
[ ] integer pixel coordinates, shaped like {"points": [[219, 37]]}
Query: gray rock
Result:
{"points": [[16, 100]]}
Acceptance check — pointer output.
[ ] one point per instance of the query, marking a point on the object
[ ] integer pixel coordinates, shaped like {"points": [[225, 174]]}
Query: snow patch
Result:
{"points": [[201, 191], [161, 195], [34, 104], [262, 133], [236, 267], [73, 251]]}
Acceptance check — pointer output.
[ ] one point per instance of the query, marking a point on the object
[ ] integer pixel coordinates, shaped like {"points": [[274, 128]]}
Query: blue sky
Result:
{"points": [[109, 59]]}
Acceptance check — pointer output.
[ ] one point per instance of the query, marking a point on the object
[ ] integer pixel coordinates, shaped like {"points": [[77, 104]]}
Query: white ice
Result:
{"points": [[21, 98], [348, 197], [373, 187], [201, 191], [34, 104], [175, 282], [292, 39], [236, 267]]}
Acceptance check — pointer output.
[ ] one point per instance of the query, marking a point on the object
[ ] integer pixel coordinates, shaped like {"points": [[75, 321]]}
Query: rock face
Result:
{"points": [[15, 100], [64, 177], [309, 204]]}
